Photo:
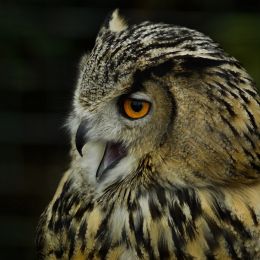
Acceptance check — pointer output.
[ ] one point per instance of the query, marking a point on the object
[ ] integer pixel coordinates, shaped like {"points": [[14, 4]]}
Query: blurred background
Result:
{"points": [[41, 42]]}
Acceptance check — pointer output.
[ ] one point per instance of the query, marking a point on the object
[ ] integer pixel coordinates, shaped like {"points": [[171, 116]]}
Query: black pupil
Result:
{"points": [[136, 105]]}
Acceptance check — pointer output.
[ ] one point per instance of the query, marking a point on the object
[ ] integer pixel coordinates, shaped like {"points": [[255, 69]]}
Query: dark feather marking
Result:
{"points": [[181, 255], [162, 69], [103, 236], [57, 225], [179, 243], [226, 215], [252, 130], [225, 75], [251, 117], [59, 253], [177, 217], [82, 210], [245, 254], [64, 194], [40, 234], [125, 195], [221, 86], [138, 228], [190, 47], [255, 167], [102, 230], [247, 137], [163, 249], [215, 232], [191, 230], [105, 246], [138, 233], [91, 254], [227, 106], [123, 49], [55, 205], [251, 93], [189, 197], [71, 239], [148, 247], [172, 115], [163, 56], [183, 74], [198, 63], [253, 216], [161, 195], [72, 201], [230, 245], [234, 95], [125, 238], [199, 175], [100, 58], [210, 256], [154, 209], [235, 74], [136, 225], [160, 45], [248, 153], [246, 100], [64, 202], [225, 139], [231, 127], [82, 235], [131, 205], [137, 46]]}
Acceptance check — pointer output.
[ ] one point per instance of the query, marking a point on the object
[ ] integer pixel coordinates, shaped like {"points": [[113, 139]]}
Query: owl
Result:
{"points": [[165, 152]]}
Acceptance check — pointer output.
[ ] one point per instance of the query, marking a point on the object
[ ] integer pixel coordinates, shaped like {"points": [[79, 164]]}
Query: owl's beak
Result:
{"points": [[113, 154], [81, 137]]}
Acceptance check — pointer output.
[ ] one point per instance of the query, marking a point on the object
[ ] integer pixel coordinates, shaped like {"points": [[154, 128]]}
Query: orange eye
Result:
{"points": [[135, 109]]}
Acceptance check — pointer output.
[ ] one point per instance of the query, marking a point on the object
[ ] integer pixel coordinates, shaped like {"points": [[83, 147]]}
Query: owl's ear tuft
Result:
{"points": [[115, 22]]}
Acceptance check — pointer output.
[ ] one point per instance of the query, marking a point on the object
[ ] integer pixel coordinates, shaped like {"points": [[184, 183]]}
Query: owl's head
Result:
{"points": [[167, 100]]}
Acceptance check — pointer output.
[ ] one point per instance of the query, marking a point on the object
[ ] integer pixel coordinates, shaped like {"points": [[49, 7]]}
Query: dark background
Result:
{"points": [[40, 45]]}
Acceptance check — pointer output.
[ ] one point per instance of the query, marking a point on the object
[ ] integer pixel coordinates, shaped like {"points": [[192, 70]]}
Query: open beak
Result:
{"points": [[114, 152]]}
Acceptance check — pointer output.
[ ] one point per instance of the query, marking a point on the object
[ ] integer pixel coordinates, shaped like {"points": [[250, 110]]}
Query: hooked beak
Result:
{"points": [[81, 138], [113, 152]]}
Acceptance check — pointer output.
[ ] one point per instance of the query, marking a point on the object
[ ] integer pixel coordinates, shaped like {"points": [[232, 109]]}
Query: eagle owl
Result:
{"points": [[165, 152]]}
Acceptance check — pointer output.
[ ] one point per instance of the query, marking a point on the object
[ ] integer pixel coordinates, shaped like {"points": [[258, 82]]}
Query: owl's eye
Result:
{"points": [[134, 108]]}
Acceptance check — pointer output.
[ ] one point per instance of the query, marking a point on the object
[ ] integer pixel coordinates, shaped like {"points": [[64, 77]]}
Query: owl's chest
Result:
{"points": [[155, 225], [143, 229]]}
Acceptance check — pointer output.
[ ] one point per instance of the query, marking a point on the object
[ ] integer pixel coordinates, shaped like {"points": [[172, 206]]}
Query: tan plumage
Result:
{"points": [[180, 182]]}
